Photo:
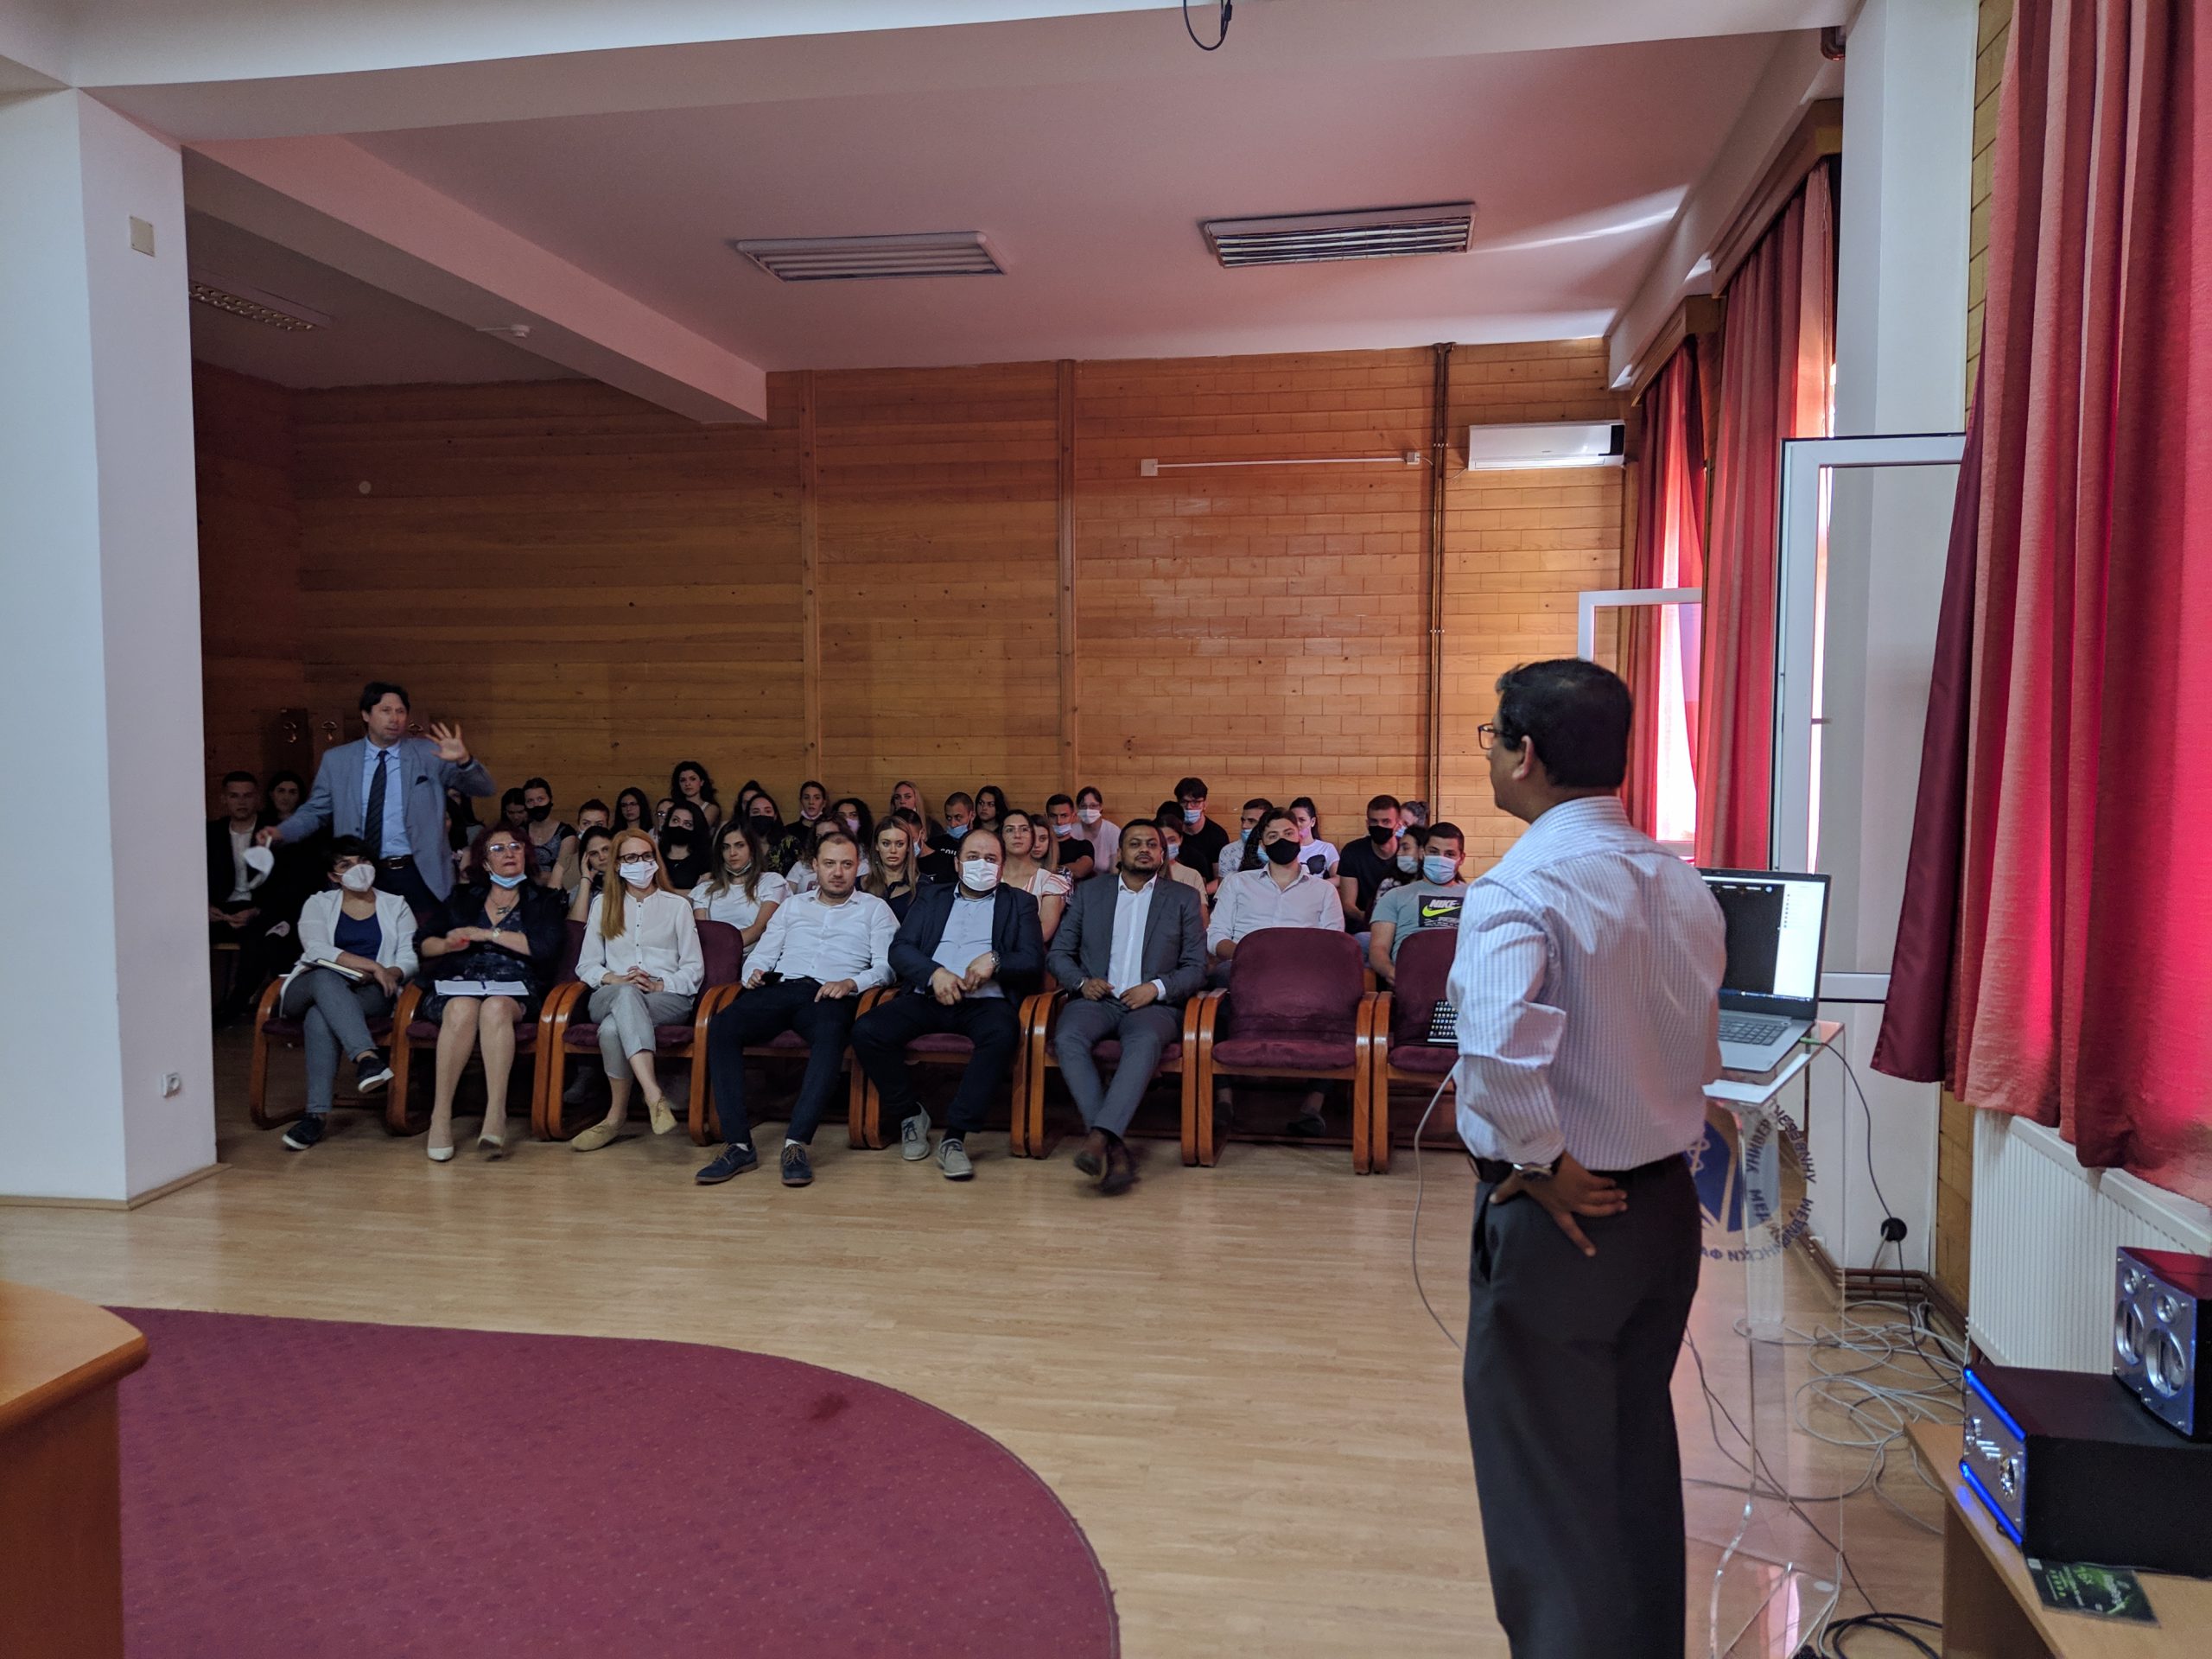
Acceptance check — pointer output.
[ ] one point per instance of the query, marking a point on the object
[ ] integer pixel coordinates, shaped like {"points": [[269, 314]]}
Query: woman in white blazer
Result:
{"points": [[642, 965], [357, 948]]}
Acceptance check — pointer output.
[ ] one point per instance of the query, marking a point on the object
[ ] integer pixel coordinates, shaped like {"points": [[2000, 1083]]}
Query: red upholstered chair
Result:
{"points": [[568, 1029], [270, 1026], [420, 1034], [790, 1045], [949, 1048], [1405, 1054], [1297, 1005], [1041, 1019]]}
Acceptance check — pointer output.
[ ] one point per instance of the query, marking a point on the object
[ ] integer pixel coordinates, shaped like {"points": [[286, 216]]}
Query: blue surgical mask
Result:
{"points": [[1440, 870], [507, 880], [956, 830]]}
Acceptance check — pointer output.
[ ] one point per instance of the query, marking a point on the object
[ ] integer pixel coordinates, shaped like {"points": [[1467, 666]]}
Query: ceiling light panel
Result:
{"points": [[1363, 233], [865, 258], [269, 309]]}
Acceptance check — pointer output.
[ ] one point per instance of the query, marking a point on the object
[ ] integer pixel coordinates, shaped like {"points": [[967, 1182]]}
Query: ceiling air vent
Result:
{"points": [[858, 258], [241, 300], [1364, 233]]}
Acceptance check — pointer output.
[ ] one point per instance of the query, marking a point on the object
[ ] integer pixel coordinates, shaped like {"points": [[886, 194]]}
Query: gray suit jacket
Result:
{"points": [[1174, 936], [336, 802]]}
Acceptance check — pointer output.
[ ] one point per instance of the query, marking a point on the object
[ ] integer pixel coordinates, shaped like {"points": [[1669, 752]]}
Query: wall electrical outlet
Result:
{"points": [[172, 1083]]}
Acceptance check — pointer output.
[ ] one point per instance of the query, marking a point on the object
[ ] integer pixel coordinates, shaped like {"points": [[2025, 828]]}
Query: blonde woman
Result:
{"points": [[895, 873], [739, 888], [1031, 856], [642, 965]]}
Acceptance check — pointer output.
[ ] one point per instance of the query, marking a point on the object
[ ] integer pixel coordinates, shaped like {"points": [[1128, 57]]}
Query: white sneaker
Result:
{"points": [[914, 1138], [952, 1159]]}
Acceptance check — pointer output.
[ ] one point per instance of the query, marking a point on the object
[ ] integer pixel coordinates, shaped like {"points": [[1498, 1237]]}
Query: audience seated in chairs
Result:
{"points": [[633, 809], [1243, 852], [284, 791], [1103, 834], [641, 965], [1027, 850], [357, 948], [690, 785], [1369, 869], [1315, 855], [813, 804], [1075, 858], [740, 888], [824, 949], [1132, 948], [850, 813], [1203, 839], [1169, 825], [236, 915], [683, 846], [965, 957], [990, 807], [941, 863], [552, 843], [491, 950], [895, 873], [594, 814], [906, 797], [593, 846], [1433, 901], [1281, 893]]}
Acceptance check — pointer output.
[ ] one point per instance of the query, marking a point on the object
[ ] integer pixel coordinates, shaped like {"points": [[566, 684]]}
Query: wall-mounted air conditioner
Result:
{"points": [[1544, 444]]}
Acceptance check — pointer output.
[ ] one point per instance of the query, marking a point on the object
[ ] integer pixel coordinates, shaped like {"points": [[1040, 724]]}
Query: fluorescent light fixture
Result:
{"points": [[862, 259], [1361, 234], [243, 300]]}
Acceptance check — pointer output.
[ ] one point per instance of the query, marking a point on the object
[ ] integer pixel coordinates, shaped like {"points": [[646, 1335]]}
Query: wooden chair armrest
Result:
{"points": [[553, 1049], [1198, 1115], [265, 1009], [1367, 1060]]}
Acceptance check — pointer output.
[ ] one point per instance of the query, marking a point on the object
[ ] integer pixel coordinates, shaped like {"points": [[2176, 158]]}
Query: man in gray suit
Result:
{"points": [[1133, 947], [390, 790]]}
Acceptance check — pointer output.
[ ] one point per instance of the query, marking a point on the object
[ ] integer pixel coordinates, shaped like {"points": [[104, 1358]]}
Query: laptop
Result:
{"points": [[1770, 994]]}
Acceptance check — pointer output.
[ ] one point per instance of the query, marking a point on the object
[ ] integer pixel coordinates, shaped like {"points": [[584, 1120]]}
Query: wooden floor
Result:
{"points": [[1227, 1376]]}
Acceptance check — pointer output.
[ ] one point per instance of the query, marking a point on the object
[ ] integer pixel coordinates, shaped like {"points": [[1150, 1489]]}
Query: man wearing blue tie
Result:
{"points": [[390, 790]]}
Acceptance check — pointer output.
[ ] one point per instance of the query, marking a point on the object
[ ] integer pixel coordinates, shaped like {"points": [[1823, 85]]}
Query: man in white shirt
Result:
{"points": [[1132, 947], [821, 951], [1587, 985]]}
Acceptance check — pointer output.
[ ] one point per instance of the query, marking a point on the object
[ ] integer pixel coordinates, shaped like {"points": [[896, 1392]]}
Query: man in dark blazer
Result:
{"points": [[969, 952], [236, 912], [406, 778], [1133, 947]]}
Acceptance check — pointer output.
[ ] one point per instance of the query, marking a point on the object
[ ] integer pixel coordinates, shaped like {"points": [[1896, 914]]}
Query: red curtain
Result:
{"points": [[2076, 987], [1778, 340], [1669, 552]]}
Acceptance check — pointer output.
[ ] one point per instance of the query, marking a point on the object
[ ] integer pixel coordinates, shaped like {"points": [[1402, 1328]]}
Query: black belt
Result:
{"points": [[395, 863], [1495, 1170]]}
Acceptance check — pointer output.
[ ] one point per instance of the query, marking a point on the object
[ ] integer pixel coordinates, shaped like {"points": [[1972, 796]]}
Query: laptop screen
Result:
{"points": [[1776, 922]]}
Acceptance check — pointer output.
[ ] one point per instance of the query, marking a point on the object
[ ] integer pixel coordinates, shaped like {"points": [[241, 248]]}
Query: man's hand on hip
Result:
{"points": [[1572, 1192]]}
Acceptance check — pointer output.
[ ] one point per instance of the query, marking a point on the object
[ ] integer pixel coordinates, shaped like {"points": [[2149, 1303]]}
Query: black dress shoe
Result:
{"points": [[1121, 1172], [1092, 1158]]}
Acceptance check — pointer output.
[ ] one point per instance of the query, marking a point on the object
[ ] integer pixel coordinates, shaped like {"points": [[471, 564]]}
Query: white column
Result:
{"points": [[1901, 306], [102, 971]]}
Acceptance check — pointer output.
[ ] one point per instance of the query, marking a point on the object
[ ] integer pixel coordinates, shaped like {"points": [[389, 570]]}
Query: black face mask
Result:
{"points": [[539, 814], [1381, 835], [1281, 852]]}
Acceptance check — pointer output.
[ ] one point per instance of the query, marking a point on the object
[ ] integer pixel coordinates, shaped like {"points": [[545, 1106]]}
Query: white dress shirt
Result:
{"points": [[1588, 984], [241, 877], [1251, 901], [732, 906], [1132, 911], [659, 934], [807, 939]]}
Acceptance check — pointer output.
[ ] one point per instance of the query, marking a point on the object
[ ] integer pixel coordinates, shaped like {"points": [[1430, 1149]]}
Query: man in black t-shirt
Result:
{"points": [[1078, 858], [1203, 839], [1368, 866]]}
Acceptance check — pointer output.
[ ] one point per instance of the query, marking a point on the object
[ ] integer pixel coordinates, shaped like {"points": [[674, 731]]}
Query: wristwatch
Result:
{"points": [[1536, 1171]]}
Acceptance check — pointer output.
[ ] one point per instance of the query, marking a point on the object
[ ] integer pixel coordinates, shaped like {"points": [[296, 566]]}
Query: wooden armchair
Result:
{"points": [[1403, 1052], [949, 1048], [417, 1034], [1296, 1007], [269, 1027], [1040, 1022], [790, 1045], [568, 1029]]}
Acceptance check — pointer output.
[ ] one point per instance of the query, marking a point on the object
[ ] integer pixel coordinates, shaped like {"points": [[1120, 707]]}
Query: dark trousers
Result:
{"points": [[406, 880], [1569, 1359], [758, 1015], [989, 1022]]}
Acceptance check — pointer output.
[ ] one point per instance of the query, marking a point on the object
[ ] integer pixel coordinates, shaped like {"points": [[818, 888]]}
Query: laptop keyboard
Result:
{"points": [[1753, 1028]]}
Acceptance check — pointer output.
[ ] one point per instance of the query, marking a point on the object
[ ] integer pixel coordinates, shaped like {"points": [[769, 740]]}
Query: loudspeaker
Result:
{"points": [[2156, 1311]]}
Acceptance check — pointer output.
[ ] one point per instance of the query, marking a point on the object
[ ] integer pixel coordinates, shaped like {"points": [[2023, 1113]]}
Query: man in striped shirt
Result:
{"points": [[1587, 984]]}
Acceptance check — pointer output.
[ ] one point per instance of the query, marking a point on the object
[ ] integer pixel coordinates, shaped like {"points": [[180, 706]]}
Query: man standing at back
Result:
{"points": [[1587, 985], [390, 790]]}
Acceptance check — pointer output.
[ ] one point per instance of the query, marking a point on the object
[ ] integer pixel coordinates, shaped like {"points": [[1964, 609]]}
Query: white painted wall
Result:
{"points": [[1901, 302], [106, 973]]}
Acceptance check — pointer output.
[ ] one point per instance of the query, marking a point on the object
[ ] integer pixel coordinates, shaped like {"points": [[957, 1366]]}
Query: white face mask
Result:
{"points": [[1194, 816], [1063, 830], [638, 871], [852, 826], [359, 878], [1409, 861], [1088, 814], [979, 875]]}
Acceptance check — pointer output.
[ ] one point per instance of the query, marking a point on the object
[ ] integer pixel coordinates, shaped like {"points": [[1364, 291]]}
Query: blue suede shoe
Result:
{"points": [[729, 1163]]}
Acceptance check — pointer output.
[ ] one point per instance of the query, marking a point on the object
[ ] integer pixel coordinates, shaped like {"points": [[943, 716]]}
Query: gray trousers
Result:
{"points": [[335, 1011], [626, 1017], [1569, 1359], [1143, 1033]]}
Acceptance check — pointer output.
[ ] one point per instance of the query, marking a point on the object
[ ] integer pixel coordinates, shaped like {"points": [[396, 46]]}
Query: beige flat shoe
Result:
{"points": [[663, 1119], [597, 1135]]}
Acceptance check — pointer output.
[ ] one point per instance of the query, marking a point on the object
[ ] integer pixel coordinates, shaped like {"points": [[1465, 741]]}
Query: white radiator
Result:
{"points": [[2045, 1231]]}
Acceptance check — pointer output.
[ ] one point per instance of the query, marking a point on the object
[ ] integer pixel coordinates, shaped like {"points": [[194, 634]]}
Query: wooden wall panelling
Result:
{"points": [[250, 615], [1064, 598], [939, 562], [596, 587], [810, 563]]}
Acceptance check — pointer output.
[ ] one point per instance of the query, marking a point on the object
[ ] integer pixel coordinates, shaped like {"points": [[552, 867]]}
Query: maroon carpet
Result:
{"points": [[301, 1488]]}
